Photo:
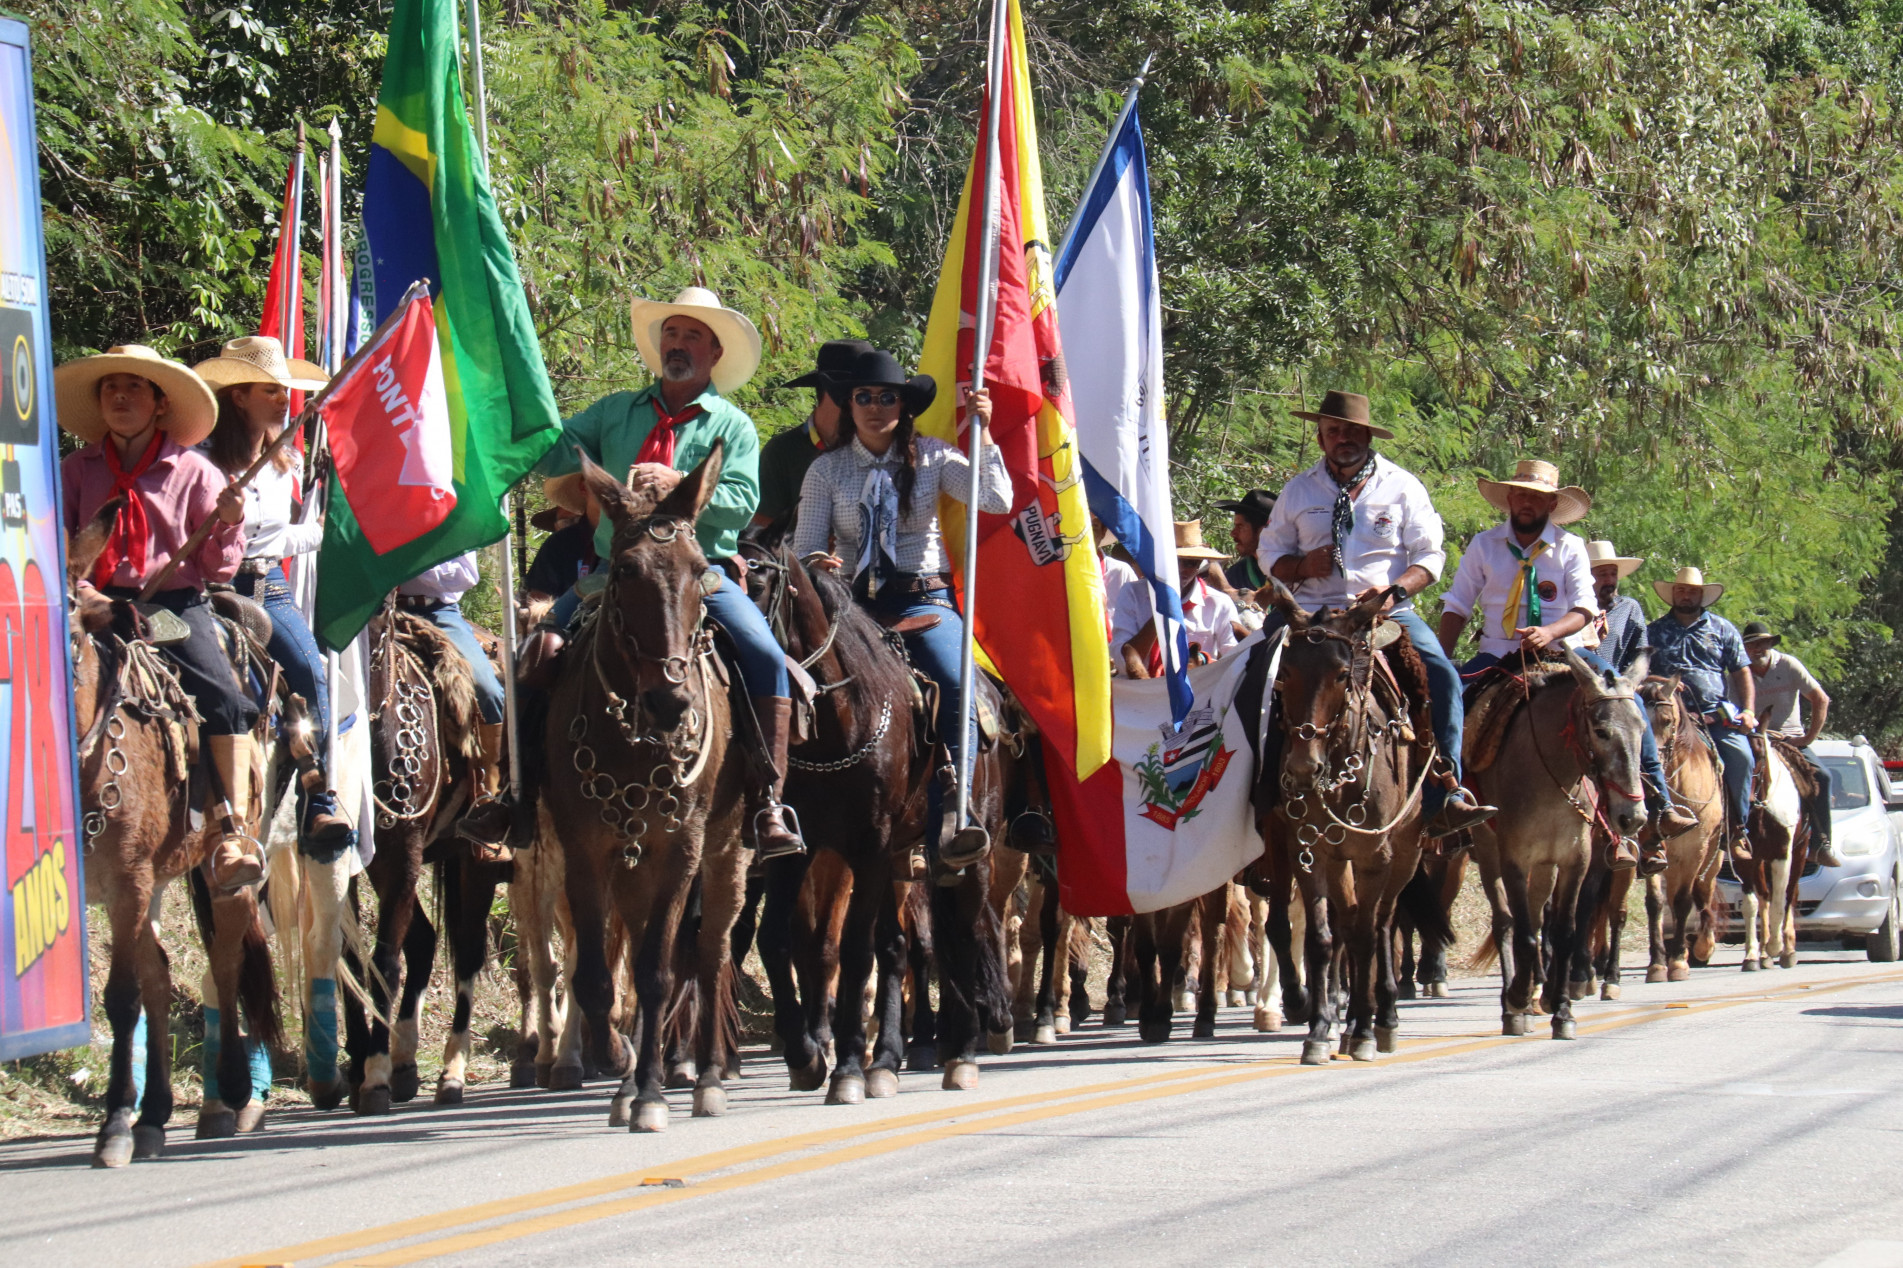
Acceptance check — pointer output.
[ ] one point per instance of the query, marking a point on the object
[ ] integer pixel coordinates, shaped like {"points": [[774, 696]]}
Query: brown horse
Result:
{"points": [[1686, 886], [646, 788], [1569, 761], [138, 741]]}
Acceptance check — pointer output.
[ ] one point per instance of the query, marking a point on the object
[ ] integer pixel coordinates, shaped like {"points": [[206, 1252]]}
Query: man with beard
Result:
{"points": [[1249, 516], [1781, 681], [1707, 654], [1352, 526]]}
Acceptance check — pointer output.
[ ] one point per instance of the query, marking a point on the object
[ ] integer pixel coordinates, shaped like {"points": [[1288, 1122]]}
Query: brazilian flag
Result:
{"points": [[428, 213]]}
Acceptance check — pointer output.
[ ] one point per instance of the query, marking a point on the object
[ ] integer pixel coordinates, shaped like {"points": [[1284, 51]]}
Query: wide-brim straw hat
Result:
{"points": [[1190, 544], [567, 492], [1347, 407], [1689, 577], [1539, 477], [739, 338], [260, 359], [191, 412], [1601, 553], [873, 368]]}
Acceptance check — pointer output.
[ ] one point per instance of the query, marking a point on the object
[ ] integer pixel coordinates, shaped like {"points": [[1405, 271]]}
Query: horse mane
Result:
{"points": [[878, 671]]}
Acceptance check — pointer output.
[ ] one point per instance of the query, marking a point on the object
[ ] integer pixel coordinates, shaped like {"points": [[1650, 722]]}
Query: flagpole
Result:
{"points": [[333, 361], [288, 244], [986, 319], [1109, 146], [473, 19]]}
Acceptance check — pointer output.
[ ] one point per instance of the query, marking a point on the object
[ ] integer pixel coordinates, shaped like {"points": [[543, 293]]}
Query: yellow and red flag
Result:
{"points": [[1039, 617]]}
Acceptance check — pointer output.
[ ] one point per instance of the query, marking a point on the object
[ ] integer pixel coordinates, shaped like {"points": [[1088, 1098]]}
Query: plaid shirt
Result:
{"points": [[1622, 632], [829, 500], [1701, 654]]}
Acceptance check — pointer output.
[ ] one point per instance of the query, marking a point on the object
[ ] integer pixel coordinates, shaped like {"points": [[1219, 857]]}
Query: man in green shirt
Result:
{"points": [[784, 459], [699, 352]]}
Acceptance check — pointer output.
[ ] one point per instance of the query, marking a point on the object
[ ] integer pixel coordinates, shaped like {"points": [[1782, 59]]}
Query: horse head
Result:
{"points": [[657, 577], [1324, 664], [1609, 729], [1662, 703]]}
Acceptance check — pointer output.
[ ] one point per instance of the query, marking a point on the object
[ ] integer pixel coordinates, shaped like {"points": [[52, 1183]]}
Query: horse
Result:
{"points": [[138, 744], [1345, 727], [1780, 844], [1692, 858], [1568, 761], [646, 788], [1439, 881], [1047, 960]]}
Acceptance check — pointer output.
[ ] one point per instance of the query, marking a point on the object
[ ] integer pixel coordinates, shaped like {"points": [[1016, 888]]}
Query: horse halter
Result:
{"points": [[665, 529]]}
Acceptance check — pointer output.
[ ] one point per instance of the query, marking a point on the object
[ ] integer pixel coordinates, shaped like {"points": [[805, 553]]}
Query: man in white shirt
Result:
{"points": [[1532, 583], [1209, 615], [1355, 524]]}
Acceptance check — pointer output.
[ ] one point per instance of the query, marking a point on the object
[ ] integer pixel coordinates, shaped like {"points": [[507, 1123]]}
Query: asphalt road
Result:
{"points": [[1730, 1119]]}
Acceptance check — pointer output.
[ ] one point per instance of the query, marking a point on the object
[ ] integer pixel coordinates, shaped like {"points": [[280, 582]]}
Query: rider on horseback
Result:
{"points": [[1706, 652], [700, 352], [872, 499], [1355, 524], [140, 416], [1782, 680], [1532, 583]]}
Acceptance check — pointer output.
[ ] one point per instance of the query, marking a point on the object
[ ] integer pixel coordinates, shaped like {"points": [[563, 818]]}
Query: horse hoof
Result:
{"points": [[327, 1096], [620, 1111], [960, 1076], [1185, 1002], [1435, 990], [846, 1089], [681, 1076], [148, 1141], [810, 1078], [1565, 1028], [1749, 966], [1234, 999], [881, 1083], [1062, 1025], [1154, 1031], [649, 1117], [1578, 990], [1363, 1050], [710, 1101], [1678, 973], [449, 1092], [1788, 960], [1512, 1023], [1655, 973], [1115, 1015], [565, 1078], [113, 1151], [217, 1124], [1536, 1009], [1046, 1033], [1609, 991], [998, 1042], [1023, 1030], [1384, 1038], [545, 1075], [373, 1102], [251, 1117], [1405, 990], [1203, 1029], [1315, 1052], [1347, 1043], [524, 1074], [1267, 1020], [921, 1057], [404, 1084]]}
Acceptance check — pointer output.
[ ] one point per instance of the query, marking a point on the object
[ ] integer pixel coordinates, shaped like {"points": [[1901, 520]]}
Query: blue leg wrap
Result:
{"points": [[320, 1031], [208, 1055]]}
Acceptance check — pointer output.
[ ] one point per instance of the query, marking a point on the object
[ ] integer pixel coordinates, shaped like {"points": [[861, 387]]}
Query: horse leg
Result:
{"points": [[651, 904], [1115, 1011], [1657, 961], [955, 938], [128, 989], [1404, 948], [1077, 950], [1387, 1015], [1517, 984], [888, 1005], [590, 976], [1618, 887], [469, 890], [723, 893], [1213, 908], [779, 907], [1749, 911], [1152, 994], [1362, 933], [1679, 969], [871, 888], [324, 887], [1564, 928], [1051, 941], [1319, 950], [1281, 933], [1783, 936], [1598, 878], [921, 1049], [419, 959]]}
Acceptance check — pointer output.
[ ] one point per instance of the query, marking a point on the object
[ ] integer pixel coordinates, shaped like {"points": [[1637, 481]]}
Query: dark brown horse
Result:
{"points": [[1684, 890], [646, 788]]}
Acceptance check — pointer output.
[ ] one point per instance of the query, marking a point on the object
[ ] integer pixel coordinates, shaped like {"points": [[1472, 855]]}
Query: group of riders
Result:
{"points": [[856, 489]]}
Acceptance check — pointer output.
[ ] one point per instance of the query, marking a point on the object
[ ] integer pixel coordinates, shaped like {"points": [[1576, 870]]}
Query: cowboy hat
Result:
{"points": [[1254, 506], [567, 492], [874, 368], [1539, 477], [1347, 407], [1601, 553], [260, 359], [1189, 542], [1759, 632], [835, 358], [193, 412], [739, 338], [1689, 577]]}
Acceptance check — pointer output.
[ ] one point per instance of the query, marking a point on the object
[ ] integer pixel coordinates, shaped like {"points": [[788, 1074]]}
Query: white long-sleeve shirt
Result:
{"points": [[449, 580], [829, 500], [1396, 528], [1562, 577]]}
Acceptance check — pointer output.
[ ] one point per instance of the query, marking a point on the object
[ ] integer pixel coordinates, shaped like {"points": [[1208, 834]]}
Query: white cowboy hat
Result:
{"points": [[1600, 553], [260, 359], [739, 339], [1539, 477], [1189, 542], [1689, 577], [192, 411]]}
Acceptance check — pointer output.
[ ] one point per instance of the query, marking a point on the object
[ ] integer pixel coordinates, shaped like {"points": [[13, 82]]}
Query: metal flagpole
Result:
{"points": [[1110, 144], [981, 349], [473, 17], [333, 361]]}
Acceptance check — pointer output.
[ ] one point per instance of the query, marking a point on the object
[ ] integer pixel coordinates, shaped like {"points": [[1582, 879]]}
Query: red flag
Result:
{"points": [[283, 317]]}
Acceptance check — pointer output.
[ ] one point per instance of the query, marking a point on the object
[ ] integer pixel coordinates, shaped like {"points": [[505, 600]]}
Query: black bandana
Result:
{"points": [[1342, 522]]}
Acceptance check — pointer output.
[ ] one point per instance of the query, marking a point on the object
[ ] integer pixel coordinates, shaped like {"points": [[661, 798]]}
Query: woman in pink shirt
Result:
{"points": [[141, 415]]}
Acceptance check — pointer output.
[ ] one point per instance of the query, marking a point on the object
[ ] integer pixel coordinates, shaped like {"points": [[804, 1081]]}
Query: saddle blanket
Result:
{"points": [[1168, 818]]}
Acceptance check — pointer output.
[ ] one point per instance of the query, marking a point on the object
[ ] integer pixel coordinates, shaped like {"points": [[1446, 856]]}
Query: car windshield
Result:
{"points": [[1849, 785]]}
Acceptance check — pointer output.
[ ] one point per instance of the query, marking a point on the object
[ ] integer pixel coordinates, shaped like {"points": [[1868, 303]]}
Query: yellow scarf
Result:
{"points": [[1510, 615]]}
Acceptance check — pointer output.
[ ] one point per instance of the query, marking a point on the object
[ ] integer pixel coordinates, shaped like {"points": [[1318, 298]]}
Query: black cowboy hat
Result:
{"points": [[836, 357], [1254, 506], [874, 368], [1759, 632]]}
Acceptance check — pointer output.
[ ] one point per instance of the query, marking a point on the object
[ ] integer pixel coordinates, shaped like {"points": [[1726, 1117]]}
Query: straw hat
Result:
{"points": [[1347, 407], [1600, 553], [1189, 542], [1689, 577], [260, 359], [567, 492], [1539, 477], [193, 409], [739, 339]]}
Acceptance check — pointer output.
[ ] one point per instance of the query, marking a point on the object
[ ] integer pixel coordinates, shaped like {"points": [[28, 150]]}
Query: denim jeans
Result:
{"points": [[939, 653], [1446, 708], [295, 650], [1734, 749], [762, 660], [448, 617]]}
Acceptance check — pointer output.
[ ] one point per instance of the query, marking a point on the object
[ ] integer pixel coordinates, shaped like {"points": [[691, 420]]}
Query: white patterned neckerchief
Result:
{"points": [[878, 529]]}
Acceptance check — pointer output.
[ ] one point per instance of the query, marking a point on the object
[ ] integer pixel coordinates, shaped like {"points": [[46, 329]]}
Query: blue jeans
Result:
{"points": [[939, 653], [762, 661], [448, 617], [1734, 749], [295, 650], [1446, 708]]}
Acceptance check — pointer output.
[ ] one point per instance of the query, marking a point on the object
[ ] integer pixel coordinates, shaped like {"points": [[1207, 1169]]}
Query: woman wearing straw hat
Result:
{"points": [[253, 382], [140, 416]]}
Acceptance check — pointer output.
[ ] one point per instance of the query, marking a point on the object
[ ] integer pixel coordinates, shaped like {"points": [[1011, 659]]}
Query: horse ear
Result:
{"points": [[618, 502], [1361, 615], [1583, 671], [1278, 594], [83, 547], [696, 488], [1637, 674]]}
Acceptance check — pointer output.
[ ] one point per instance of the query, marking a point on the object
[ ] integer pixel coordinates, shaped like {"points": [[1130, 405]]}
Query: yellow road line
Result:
{"points": [[970, 1118]]}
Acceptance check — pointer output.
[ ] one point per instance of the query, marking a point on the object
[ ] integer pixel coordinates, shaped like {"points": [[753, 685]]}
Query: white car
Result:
{"points": [[1862, 901]]}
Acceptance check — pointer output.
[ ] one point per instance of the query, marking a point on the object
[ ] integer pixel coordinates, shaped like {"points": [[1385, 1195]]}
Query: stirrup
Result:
{"points": [[967, 845], [761, 849]]}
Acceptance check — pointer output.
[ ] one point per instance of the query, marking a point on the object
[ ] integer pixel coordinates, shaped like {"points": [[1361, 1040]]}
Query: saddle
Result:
{"points": [[1802, 770], [1496, 699], [1398, 665], [449, 677]]}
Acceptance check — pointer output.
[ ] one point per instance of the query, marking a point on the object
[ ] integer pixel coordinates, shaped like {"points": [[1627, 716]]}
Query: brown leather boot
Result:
{"points": [[324, 830], [1675, 821], [486, 824], [1622, 853], [233, 863], [1740, 846], [772, 837]]}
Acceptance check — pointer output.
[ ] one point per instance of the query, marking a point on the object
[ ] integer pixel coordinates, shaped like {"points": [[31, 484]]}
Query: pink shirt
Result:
{"points": [[181, 490]]}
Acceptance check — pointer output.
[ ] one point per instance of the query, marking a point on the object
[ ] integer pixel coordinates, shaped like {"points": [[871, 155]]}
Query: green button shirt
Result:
{"points": [[611, 431]]}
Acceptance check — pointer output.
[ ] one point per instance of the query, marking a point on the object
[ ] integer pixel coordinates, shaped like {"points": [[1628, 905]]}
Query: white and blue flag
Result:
{"points": [[1112, 318]]}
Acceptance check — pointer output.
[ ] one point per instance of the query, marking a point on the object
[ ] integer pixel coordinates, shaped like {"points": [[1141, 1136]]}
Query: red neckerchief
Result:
{"points": [[658, 445], [131, 531]]}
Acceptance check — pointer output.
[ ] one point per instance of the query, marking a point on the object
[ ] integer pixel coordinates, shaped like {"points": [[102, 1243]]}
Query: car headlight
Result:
{"points": [[1859, 844]]}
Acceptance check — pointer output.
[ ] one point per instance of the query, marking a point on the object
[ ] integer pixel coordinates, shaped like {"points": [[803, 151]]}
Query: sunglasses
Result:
{"points": [[885, 400]]}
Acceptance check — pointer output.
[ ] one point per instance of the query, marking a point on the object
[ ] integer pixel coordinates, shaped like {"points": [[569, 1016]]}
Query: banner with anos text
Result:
{"points": [[43, 913]]}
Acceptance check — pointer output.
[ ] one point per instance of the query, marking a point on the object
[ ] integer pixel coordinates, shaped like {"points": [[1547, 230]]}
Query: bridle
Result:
{"points": [[778, 583]]}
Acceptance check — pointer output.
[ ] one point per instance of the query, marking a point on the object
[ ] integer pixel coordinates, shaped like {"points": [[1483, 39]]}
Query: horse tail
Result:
{"points": [[1486, 955], [1420, 902]]}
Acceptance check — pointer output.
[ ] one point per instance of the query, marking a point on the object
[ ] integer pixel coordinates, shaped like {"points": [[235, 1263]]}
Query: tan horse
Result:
{"points": [[1691, 859]]}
